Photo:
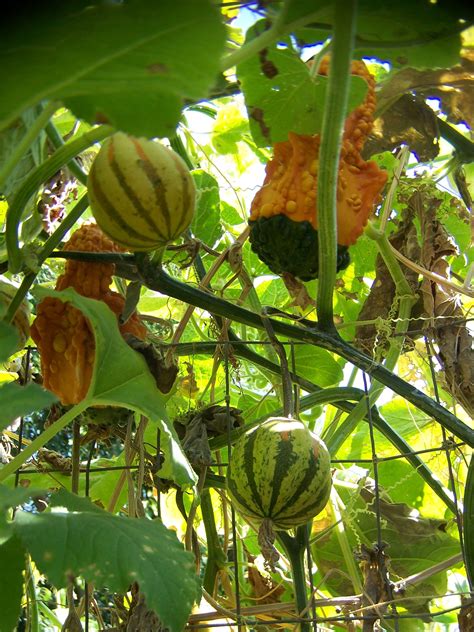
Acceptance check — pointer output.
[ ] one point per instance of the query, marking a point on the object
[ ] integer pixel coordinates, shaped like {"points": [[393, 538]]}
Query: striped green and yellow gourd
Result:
{"points": [[141, 192], [279, 471]]}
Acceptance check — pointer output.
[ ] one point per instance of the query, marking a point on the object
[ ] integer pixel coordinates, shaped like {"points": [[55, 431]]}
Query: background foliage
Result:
{"points": [[392, 394]]}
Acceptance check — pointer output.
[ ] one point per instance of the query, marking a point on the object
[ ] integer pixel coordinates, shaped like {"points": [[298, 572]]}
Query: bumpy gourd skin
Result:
{"points": [[290, 190], [65, 341]]}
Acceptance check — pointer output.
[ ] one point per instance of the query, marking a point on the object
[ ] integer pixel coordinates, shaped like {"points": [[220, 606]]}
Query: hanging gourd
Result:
{"points": [[279, 472], [283, 215], [141, 193], [64, 338]]}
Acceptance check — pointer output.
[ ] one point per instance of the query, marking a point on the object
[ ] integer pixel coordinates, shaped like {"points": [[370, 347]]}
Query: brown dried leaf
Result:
{"points": [[456, 353], [195, 427], [454, 86], [408, 121], [264, 588], [297, 291], [163, 369]]}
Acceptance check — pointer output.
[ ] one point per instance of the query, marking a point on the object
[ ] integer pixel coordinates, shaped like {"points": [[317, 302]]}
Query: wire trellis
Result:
{"points": [[358, 608]]}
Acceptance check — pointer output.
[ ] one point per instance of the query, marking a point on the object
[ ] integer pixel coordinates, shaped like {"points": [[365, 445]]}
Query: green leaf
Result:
{"points": [[131, 64], [414, 33], [17, 401], [317, 365], [12, 555], [10, 498], [415, 543], [113, 552], [206, 224], [9, 139], [405, 418], [121, 376], [257, 407], [228, 129], [230, 215], [17, 496], [9, 340], [281, 96]]}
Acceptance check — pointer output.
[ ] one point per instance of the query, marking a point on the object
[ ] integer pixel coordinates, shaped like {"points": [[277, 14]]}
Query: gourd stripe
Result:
{"points": [[113, 215], [249, 467], [232, 486], [316, 502], [130, 193], [157, 185], [310, 473], [287, 456], [187, 201]]}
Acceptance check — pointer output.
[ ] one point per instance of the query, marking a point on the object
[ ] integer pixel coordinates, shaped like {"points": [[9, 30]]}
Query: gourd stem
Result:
{"points": [[216, 558], [335, 107], [25, 143], [295, 547], [50, 244], [39, 175]]}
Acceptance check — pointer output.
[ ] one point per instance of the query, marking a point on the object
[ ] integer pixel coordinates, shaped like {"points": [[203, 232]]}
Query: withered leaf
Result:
{"points": [[408, 121]]}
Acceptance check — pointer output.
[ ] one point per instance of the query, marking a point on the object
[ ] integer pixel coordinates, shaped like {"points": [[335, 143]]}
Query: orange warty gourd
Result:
{"points": [[65, 340], [283, 215]]}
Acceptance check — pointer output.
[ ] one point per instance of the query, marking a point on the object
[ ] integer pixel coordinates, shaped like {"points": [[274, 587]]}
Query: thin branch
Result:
{"points": [[460, 289]]}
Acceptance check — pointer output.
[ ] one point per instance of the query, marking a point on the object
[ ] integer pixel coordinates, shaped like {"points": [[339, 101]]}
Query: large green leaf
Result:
{"points": [[415, 33], [281, 96], [121, 377], [206, 223], [114, 552], [130, 63], [12, 554], [17, 401]]}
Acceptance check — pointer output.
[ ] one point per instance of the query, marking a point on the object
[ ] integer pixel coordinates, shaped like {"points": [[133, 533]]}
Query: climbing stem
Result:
{"points": [[335, 107], [295, 547], [39, 175], [25, 143], [216, 558]]}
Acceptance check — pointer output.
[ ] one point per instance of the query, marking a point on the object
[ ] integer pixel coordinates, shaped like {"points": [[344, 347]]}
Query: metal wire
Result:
{"points": [[232, 511], [452, 481]]}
